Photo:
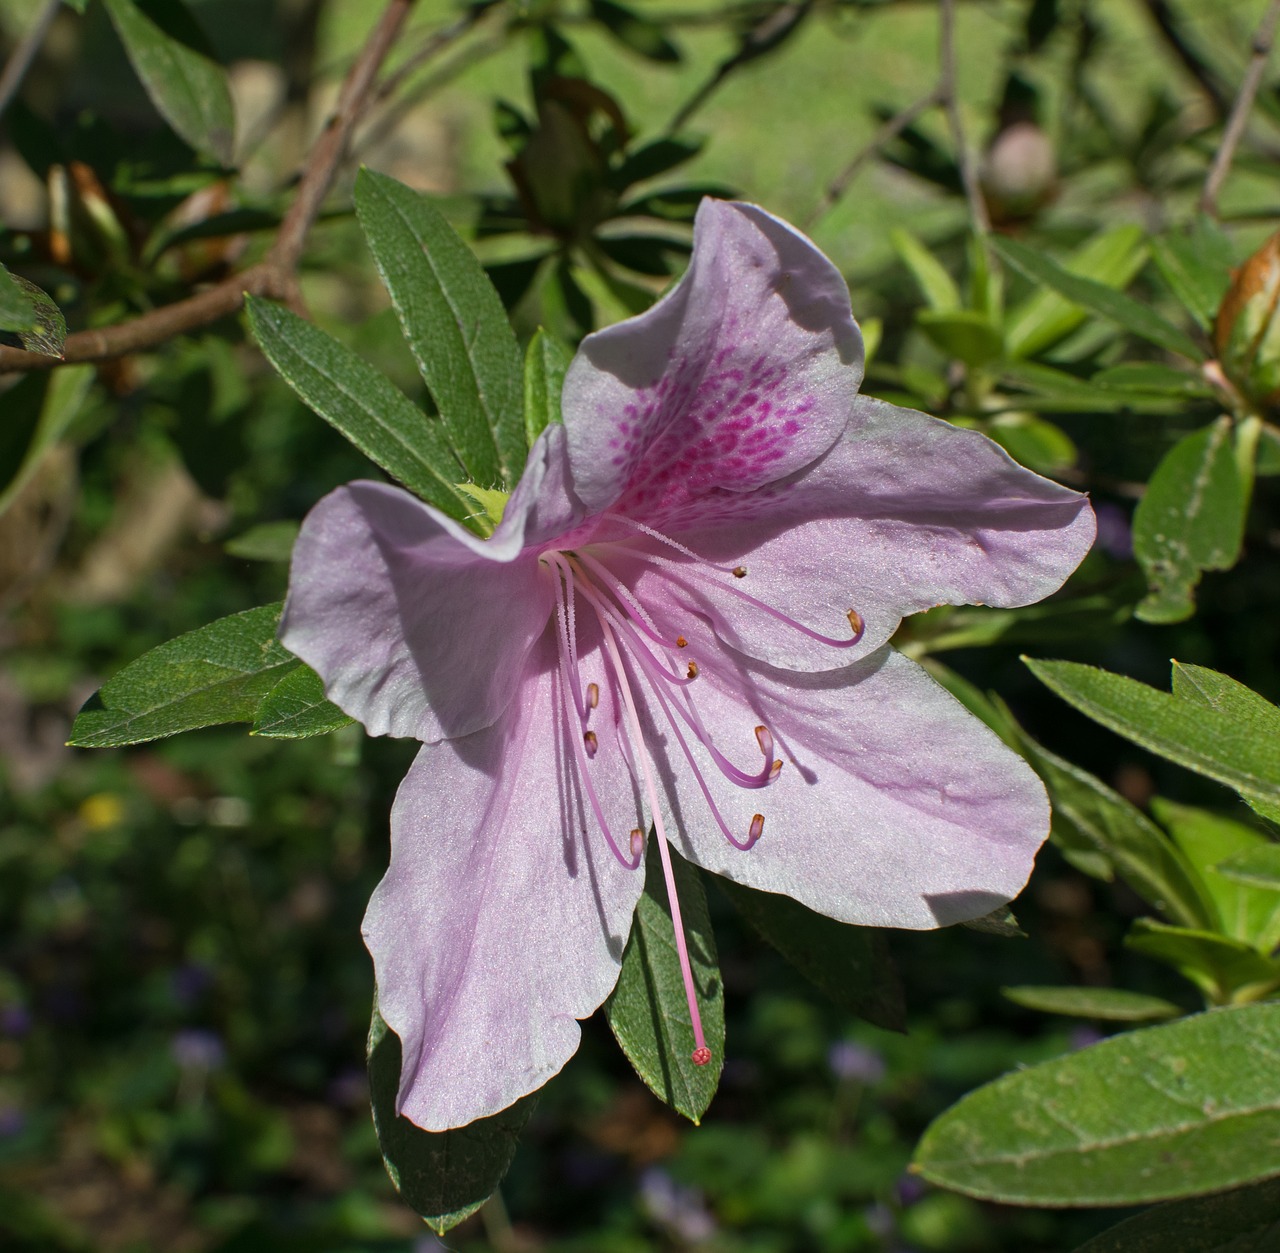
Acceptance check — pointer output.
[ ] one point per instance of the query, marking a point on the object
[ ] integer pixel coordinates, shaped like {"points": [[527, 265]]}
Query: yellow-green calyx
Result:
{"points": [[492, 502]]}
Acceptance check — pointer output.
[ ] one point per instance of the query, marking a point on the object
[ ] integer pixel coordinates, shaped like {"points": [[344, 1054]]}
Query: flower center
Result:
{"points": [[629, 633]]}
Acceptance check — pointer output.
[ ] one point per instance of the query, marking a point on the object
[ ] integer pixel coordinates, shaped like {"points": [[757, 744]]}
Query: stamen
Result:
{"points": [[593, 695], [591, 744], [765, 740], [701, 1050], [776, 769], [692, 671], [681, 642], [739, 572], [857, 623], [680, 548], [637, 841], [756, 830]]}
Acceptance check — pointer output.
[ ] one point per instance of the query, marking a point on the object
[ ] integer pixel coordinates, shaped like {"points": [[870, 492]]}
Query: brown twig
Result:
{"points": [[26, 51], [1233, 132], [276, 274], [951, 100]]}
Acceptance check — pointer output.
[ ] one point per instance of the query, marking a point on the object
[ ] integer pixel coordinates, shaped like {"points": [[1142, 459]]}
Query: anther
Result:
{"points": [[701, 1056], [637, 841], [593, 695], [765, 740], [756, 830], [857, 623], [590, 742], [692, 672], [739, 572], [681, 642], [776, 769]]}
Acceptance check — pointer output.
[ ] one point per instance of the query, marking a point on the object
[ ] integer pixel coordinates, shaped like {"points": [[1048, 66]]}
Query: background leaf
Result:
{"points": [[297, 707], [455, 325], [219, 673], [37, 411], [648, 1011], [16, 313], [1105, 1004], [545, 362], [444, 1176], [169, 55], [1175, 1110]]}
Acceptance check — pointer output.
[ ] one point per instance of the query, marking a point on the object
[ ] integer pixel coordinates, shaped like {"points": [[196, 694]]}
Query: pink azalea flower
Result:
{"points": [[681, 621]]}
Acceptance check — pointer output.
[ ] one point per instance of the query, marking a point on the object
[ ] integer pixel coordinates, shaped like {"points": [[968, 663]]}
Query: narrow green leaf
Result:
{"points": [[43, 329], [1190, 519], [545, 364], [635, 31], [455, 325], [1244, 1220], [849, 965], [218, 673], [963, 334], [297, 707], [444, 1176], [1090, 817], [1098, 298], [648, 1011], [1151, 376], [38, 409], [655, 158], [187, 86], [1203, 739], [1035, 443], [362, 404], [268, 541], [16, 313], [936, 285], [1105, 1004], [1111, 257], [1258, 865], [1050, 390], [1218, 965], [1197, 268], [1184, 1108], [1247, 913]]}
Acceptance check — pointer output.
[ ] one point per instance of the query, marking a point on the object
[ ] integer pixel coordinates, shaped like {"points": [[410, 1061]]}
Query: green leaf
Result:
{"points": [[1151, 376], [1184, 1108], [648, 1011], [1206, 740], [1218, 965], [849, 965], [16, 313], [963, 334], [297, 707], [362, 404], [1097, 298], [634, 31], [1258, 865], [1197, 268], [1215, 690], [268, 541], [1247, 913], [1190, 519], [1105, 1004], [1090, 818], [655, 158], [1035, 443], [936, 285], [1051, 390], [187, 86], [1111, 257], [46, 331], [1244, 1220], [1000, 921], [545, 362], [445, 1176], [218, 673], [455, 325], [38, 409]]}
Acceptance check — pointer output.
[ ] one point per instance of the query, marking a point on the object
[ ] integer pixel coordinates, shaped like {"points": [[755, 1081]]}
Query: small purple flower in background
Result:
{"points": [[681, 621], [195, 1049], [189, 982], [13, 1122], [676, 1208], [850, 1060], [1115, 532], [1083, 1037], [15, 1020]]}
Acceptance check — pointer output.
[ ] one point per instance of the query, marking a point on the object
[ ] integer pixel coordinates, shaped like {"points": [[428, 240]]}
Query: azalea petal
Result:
{"points": [[905, 513], [744, 373], [417, 626], [894, 807], [503, 917]]}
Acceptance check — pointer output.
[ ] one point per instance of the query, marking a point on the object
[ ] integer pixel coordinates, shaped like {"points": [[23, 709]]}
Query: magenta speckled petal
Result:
{"points": [[894, 807], [417, 627], [503, 917], [905, 513], [744, 373]]}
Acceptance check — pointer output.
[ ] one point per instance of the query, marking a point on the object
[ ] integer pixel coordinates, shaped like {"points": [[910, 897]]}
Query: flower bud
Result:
{"points": [[1019, 173], [1246, 332]]}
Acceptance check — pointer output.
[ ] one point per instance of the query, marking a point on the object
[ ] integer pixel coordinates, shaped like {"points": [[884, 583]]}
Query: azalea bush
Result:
{"points": [[701, 605]]}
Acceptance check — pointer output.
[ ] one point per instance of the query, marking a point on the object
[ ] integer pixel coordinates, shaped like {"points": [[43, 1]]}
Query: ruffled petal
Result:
{"points": [[503, 917], [895, 806], [905, 513], [417, 626], [744, 373]]}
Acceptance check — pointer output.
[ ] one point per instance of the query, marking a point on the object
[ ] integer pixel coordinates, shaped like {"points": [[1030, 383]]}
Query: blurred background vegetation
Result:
{"points": [[183, 993]]}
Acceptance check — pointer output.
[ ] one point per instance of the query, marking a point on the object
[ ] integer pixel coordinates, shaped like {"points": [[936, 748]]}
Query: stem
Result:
{"points": [[1263, 39], [276, 274], [25, 53]]}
